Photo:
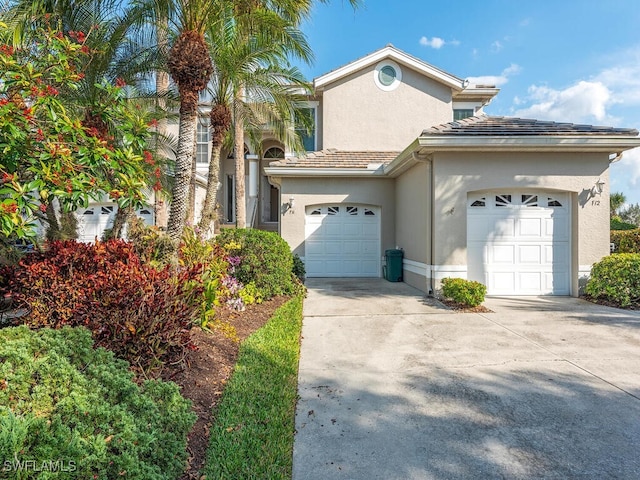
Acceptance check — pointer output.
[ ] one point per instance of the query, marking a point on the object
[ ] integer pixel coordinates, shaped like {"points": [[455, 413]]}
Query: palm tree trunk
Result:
{"points": [[120, 220], [191, 202], [184, 159], [241, 205], [162, 86], [208, 216]]}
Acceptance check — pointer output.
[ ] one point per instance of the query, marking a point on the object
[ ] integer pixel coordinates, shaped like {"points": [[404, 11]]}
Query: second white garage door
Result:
{"points": [[518, 242], [342, 241]]}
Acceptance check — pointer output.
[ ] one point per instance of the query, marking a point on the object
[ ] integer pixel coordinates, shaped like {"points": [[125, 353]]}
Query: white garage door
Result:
{"points": [[342, 241], [518, 242], [92, 221]]}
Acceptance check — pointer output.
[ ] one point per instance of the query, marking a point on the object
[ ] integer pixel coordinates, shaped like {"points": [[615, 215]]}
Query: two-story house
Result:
{"points": [[402, 156]]}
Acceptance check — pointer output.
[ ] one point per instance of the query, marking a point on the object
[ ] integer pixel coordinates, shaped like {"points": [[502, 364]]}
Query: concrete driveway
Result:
{"points": [[393, 386]]}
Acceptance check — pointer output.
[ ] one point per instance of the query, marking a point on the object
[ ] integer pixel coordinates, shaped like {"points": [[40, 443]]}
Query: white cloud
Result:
{"points": [[629, 167], [496, 80], [582, 102], [434, 42], [496, 46], [625, 175]]}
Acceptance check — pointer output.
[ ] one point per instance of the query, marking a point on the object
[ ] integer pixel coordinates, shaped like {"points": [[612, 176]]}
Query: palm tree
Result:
{"points": [[616, 201], [255, 65], [190, 67]]}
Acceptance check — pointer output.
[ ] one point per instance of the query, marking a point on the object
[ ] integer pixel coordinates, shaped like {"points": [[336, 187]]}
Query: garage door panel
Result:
{"points": [[522, 248], [501, 254], [504, 228], [530, 227], [530, 254], [369, 247], [371, 230], [501, 282], [351, 248], [530, 282]]}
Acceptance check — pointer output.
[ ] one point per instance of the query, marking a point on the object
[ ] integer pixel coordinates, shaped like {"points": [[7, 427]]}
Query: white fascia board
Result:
{"points": [[443, 143], [391, 52], [321, 172]]}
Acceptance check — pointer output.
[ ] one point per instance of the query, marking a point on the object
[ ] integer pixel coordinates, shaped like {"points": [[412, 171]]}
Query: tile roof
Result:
{"points": [[332, 158], [511, 126]]}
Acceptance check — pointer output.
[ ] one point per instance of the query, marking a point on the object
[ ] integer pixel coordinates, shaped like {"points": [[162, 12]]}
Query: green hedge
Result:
{"points": [[616, 279], [465, 292], [69, 411], [266, 259], [616, 224], [626, 241]]}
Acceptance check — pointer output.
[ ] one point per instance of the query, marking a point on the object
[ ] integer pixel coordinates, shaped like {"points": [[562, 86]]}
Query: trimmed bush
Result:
{"points": [[616, 279], [617, 224], [627, 241], [465, 292], [77, 412], [299, 269], [265, 259], [142, 314]]}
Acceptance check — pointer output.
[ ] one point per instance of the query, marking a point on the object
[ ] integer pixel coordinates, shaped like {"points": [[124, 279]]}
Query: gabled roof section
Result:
{"points": [[402, 58], [511, 126]]}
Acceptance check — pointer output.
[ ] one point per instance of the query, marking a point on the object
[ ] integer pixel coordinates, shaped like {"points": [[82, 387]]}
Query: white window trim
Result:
{"points": [[396, 82]]}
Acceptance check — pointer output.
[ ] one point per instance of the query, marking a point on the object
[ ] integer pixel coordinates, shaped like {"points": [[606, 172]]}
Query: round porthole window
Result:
{"points": [[387, 75]]}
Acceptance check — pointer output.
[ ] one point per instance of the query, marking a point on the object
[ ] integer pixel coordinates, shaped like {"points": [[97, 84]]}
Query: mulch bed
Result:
{"points": [[461, 308], [207, 370]]}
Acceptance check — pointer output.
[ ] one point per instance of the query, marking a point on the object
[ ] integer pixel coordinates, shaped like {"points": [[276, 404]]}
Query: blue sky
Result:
{"points": [[564, 60]]}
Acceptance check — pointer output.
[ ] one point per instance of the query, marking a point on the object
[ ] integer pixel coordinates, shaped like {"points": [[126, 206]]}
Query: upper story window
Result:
{"points": [[306, 127], [202, 141], [461, 113], [387, 75]]}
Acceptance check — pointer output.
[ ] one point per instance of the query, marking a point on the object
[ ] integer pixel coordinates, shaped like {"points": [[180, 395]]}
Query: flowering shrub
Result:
{"points": [[47, 153], [265, 259], [62, 401], [141, 313]]}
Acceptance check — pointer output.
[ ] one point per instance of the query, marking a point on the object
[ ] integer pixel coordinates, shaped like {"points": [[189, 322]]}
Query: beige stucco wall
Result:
{"points": [[456, 174], [413, 221], [315, 191], [357, 115]]}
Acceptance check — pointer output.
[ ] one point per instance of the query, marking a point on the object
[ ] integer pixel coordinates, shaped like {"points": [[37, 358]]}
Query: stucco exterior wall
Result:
{"points": [[413, 222], [456, 174], [357, 115], [315, 191]]}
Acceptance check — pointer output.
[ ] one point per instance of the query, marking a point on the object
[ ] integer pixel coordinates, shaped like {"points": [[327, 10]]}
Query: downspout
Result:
{"points": [[432, 227], [618, 157]]}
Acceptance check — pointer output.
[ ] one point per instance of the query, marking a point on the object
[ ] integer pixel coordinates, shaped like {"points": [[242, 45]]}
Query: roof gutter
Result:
{"points": [[322, 172], [559, 143]]}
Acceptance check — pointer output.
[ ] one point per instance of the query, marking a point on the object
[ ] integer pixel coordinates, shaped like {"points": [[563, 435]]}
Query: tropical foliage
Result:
{"points": [[70, 411], [50, 157]]}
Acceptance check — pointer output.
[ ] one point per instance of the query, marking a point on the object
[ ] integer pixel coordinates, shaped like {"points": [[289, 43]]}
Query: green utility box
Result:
{"points": [[393, 265]]}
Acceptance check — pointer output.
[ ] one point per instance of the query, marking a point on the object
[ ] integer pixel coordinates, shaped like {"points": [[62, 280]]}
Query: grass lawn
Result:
{"points": [[252, 436]]}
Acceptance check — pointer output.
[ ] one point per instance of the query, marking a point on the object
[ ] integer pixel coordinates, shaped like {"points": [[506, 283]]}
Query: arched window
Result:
{"points": [[274, 152]]}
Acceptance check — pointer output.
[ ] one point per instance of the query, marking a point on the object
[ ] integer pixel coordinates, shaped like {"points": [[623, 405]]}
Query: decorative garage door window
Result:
{"points": [[518, 243], [523, 200], [342, 240]]}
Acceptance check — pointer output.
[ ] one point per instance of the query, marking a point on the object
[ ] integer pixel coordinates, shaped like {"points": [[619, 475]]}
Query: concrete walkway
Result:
{"points": [[393, 386]]}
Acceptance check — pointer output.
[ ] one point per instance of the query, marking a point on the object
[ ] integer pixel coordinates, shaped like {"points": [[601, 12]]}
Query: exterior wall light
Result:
{"points": [[598, 188]]}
